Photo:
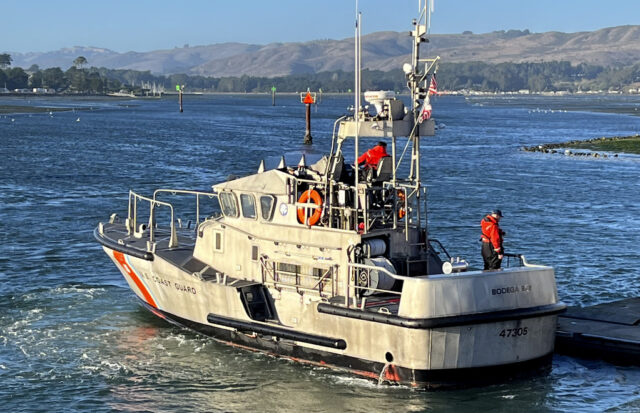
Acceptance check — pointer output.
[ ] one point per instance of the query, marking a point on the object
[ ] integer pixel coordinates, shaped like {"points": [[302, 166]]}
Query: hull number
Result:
{"points": [[514, 332]]}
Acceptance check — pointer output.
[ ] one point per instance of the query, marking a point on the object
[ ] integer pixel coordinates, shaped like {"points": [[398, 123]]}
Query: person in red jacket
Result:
{"points": [[371, 157], [492, 236]]}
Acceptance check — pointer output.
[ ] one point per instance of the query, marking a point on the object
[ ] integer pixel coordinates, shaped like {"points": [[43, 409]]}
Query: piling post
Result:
{"points": [[179, 89], [273, 95]]}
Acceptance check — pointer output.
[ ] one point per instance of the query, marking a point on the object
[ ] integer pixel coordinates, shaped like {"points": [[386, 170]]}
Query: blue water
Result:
{"points": [[73, 338]]}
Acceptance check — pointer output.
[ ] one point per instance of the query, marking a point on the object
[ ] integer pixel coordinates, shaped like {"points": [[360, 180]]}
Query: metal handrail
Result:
{"points": [[441, 248], [328, 275], [523, 260], [133, 217], [409, 190], [211, 195], [352, 265], [351, 279]]}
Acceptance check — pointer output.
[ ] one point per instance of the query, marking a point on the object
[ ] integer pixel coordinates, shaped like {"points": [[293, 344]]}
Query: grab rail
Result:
{"points": [[351, 281], [154, 202], [277, 277], [523, 260], [133, 217], [211, 195]]}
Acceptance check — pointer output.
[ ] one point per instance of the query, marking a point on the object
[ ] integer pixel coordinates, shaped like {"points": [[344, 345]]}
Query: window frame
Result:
{"points": [[218, 236], [272, 209], [230, 196], [253, 201]]}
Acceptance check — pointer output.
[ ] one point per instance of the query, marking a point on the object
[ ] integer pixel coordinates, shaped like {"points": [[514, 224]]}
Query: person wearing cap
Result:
{"points": [[492, 236], [371, 157]]}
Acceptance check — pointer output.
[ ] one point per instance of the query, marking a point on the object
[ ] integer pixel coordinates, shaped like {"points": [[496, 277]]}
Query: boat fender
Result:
{"points": [[314, 196]]}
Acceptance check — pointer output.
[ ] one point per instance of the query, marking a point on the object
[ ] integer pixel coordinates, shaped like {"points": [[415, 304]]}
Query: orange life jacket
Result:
{"points": [[491, 232], [373, 156]]}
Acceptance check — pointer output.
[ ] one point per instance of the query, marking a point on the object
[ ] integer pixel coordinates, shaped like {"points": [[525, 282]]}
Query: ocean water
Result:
{"points": [[73, 338]]}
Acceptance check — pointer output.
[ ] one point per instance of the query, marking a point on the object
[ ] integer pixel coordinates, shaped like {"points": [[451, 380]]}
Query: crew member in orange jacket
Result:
{"points": [[492, 236], [371, 157]]}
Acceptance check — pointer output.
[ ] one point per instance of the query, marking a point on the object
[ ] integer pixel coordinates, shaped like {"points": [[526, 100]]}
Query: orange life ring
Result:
{"points": [[401, 198], [317, 199]]}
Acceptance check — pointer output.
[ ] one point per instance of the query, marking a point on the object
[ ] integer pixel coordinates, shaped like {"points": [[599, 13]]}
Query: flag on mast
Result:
{"points": [[425, 111], [433, 86]]}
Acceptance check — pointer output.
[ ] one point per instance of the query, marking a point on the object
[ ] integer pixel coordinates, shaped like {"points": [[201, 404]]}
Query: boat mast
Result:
{"points": [[358, 93], [418, 78], [390, 123]]}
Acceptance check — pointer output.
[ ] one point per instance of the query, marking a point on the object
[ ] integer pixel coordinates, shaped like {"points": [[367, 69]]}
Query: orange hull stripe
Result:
{"points": [[125, 266]]}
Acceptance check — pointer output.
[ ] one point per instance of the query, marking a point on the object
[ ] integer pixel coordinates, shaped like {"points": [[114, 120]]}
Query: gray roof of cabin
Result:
{"points": [[272, 182]]}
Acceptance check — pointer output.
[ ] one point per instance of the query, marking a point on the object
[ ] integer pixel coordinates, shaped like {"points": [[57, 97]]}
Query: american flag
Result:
{"points": [[433, 86], [425, 111]]}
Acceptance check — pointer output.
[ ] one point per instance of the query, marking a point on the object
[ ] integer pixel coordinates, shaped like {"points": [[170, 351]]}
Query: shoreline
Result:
{"points": [[22, 109], [624, 104], [614, 144]]}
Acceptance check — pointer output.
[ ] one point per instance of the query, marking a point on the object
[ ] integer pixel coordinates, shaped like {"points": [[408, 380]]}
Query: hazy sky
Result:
{"points": [[142, 25]]}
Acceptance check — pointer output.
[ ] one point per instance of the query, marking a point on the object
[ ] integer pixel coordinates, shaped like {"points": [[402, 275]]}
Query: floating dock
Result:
{"points": [[609, 331]]}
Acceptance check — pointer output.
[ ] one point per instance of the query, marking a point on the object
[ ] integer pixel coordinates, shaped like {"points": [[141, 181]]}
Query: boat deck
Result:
{"points": [[609, 331], [117, 233], [115, 236]]}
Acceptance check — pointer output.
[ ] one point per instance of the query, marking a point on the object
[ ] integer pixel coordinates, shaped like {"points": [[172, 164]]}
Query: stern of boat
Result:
{"points": [[485, 318]]}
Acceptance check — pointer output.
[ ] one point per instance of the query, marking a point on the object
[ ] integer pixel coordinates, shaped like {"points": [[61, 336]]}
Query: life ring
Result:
{"points": [[317, 199], [401, 198]]}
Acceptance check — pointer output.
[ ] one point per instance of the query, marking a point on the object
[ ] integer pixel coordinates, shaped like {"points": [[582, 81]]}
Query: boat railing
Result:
{"points": [[154, 203], [324, 284], [132, 220], [358, 283], [388, 204], [198, 195], [519, 260], [439, 249], [510, 260]]}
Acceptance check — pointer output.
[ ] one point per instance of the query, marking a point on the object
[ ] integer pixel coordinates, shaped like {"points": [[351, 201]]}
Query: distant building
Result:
{"points": [[42, 90]]}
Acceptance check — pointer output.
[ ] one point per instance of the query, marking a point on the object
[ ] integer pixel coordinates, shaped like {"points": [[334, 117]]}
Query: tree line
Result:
{"points": [[73, 80], [501, 77], [536, 77]]}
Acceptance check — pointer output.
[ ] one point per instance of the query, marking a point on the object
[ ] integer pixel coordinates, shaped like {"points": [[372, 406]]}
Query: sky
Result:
{"points": [[144, 25]]}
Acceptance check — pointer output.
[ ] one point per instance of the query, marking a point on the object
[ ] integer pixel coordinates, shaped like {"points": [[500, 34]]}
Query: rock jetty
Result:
{"points": [[604, 144]]}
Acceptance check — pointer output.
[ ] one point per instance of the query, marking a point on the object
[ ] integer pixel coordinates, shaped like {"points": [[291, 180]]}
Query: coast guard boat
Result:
{"points": [[334, 266]]}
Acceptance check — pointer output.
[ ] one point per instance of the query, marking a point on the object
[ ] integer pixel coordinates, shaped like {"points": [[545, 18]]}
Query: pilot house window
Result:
{"points": [[266, 207], [248, 204], [228, 204]]}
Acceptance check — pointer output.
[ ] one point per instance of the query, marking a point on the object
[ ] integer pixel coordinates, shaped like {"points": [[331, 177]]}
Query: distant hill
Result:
{"points": [[615, 46]]}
